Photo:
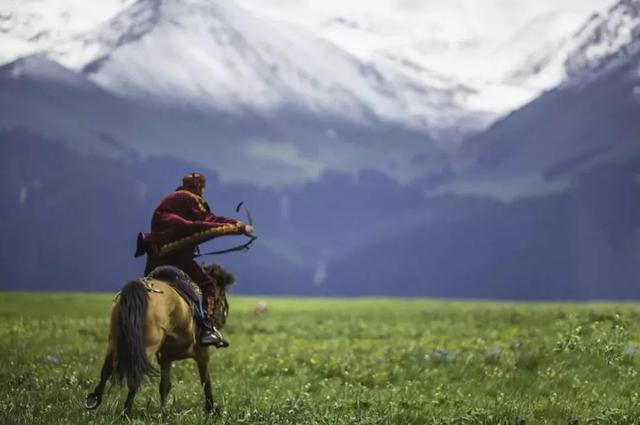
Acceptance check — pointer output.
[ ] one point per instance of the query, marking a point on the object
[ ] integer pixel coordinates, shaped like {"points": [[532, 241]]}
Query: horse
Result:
{"points": [[149, 319]]}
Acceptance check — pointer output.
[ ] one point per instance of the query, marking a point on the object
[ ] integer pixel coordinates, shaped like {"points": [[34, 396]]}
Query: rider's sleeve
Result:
{"points": [[194, 225], [204, 216], [222, 225]]}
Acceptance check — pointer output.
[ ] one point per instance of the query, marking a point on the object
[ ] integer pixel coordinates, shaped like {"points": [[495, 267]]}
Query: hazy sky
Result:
{"points": [[483, 13], [476, 42]]}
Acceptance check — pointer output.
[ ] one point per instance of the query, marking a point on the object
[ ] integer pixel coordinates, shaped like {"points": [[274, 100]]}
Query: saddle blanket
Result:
{"points": [[183, 284]]}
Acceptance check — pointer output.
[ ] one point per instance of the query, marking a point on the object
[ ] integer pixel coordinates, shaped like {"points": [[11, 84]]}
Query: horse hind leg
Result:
{"points": [[94, 399], [128, 404], [133, 385], [165, 381]]}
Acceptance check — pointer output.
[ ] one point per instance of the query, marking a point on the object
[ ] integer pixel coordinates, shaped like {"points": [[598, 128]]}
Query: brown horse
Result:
{"points": [[151, 320]]}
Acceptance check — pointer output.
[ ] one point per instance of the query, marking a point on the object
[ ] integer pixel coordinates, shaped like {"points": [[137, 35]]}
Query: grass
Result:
{"points": [[340, 362]]}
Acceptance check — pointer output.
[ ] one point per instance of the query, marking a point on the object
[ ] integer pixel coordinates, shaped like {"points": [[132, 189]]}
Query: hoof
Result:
{"points": [[92, 401], [214, 411]]}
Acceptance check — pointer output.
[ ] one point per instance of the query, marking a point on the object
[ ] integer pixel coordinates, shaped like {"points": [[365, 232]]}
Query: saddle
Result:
{"points": [[184, 286]]}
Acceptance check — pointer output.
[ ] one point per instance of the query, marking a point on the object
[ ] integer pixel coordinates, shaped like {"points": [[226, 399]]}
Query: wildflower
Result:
{"points": [[629, 352], [52, 359]]}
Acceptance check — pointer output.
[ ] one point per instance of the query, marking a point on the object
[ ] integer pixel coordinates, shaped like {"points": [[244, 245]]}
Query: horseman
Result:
{"points": [[179, 223]]}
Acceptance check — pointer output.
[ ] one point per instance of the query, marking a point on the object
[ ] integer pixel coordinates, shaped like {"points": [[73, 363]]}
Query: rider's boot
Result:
{"points": [[213, 337], [210, 335]]}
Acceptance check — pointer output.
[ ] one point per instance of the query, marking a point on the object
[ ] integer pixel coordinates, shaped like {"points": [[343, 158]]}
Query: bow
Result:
{"points": [[245, 246]]}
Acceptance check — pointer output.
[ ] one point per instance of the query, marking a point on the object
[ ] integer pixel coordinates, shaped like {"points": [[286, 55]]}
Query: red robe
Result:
{"points": [[180, 222]]}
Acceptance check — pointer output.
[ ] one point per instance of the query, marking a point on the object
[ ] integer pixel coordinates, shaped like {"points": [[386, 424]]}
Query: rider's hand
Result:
{"points": [[248, 229]]}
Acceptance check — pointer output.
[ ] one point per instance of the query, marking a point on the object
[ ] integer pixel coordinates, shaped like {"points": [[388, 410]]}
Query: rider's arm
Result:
{"points": [[203, 214], [198, 215], [218, 225]]}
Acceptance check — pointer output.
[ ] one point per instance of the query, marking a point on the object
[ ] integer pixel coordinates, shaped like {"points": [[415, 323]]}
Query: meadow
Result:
{"points": [[340, 361]]}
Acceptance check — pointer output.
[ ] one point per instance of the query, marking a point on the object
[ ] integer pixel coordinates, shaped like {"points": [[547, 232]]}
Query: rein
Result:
{"points": [[244, 247]]}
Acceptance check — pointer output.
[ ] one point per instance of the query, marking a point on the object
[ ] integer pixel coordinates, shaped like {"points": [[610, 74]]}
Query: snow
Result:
{"points": [[218, 55], [604, 39], [32, 26], [13, 48], [462, 45], [448, 67]]}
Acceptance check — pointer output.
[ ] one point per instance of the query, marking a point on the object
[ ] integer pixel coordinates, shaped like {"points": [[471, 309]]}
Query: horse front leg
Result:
{"points": [[94, 398], [202, 358], [165, 381]]}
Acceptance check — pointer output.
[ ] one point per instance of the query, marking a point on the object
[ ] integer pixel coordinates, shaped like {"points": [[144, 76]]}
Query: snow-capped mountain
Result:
{"points": [[285, 94], [33, 26], [113, 111], [587, 121], [233, 88], [439, 67], [559, 182], [468, 48], [604, 41], [217, 55]]}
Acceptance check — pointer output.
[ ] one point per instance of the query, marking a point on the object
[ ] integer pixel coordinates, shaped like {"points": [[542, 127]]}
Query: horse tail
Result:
{"points": [[132, 363]]}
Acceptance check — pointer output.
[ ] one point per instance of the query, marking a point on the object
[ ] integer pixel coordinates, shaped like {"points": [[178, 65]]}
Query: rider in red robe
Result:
{"points": [[180, 222]]}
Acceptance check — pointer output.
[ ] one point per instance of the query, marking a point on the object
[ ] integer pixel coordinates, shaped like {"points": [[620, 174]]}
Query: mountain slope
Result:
{"points": [[465, 47], [543, 205], [547, 206], [211, 83], [402, 66], [216, 55], [606, 39], [575, 244], [31, 27], [286, 146], [589, 119], [70, 220], [549, 209]]}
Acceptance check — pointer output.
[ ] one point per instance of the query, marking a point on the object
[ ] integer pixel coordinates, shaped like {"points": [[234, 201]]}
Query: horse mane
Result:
{"points": [[223, 276]]}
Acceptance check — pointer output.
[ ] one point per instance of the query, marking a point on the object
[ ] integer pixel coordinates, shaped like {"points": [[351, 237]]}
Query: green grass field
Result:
{"points": [[340, 362]]}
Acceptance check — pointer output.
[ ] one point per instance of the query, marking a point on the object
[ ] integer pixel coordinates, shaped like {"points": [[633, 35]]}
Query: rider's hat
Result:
{"points": [[194, 180]]}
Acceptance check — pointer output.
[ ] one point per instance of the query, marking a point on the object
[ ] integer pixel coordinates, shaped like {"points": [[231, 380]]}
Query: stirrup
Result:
{"points": [[213, 337]]}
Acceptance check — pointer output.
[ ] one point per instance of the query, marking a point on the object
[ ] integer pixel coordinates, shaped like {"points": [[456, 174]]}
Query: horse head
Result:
{"points": [[224, 279]]}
